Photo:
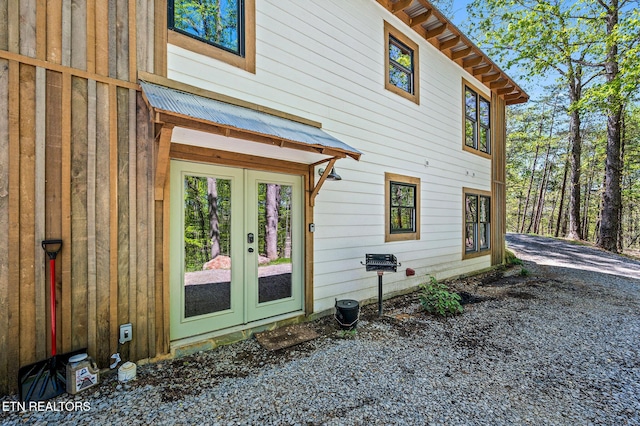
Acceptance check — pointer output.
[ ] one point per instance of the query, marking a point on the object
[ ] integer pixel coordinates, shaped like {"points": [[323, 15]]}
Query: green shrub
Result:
{"points": [[524, 272], [436, 298]]}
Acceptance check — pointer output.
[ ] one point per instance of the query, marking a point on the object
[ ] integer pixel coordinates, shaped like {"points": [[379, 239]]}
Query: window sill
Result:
{"points": [[476, 152], [409, 236], [474, 254], [247, 63]]}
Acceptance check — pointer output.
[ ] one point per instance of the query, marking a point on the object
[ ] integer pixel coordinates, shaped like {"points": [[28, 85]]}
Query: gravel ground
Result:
{"points": [[560, 345]]}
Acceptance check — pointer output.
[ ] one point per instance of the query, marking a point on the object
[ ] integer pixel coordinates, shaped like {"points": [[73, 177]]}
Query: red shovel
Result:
{"points": [[46, 379]]}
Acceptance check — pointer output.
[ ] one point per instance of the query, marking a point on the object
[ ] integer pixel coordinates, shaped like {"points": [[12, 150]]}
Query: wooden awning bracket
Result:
{"points": [[327, 170], [162, 162]]}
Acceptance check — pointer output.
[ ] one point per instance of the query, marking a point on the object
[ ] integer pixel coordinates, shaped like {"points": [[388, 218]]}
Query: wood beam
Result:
{"points": [[461, 53], [472, 62], [195, 153], [435, 32], [400, 6], [162, 163], [498, 84], [327, 170], [482, 70], [420, 19], [490, 77], [505, 90], [449, 43], [511, 96], [214, 128], [520, 100]]}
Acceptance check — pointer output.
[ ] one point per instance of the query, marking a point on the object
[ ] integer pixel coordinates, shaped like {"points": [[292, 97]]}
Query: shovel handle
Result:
{"points": [[52, 299], [52, 285], [52, 253]]}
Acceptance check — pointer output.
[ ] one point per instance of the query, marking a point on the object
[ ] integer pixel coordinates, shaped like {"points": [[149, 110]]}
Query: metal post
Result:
{"points": [[380, 293]]}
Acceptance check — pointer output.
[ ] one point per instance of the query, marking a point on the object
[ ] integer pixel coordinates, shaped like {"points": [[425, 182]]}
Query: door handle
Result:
{"points": [[250, 249], [250, 238]]}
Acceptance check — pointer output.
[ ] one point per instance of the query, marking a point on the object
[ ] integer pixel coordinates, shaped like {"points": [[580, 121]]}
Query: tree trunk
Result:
{"points": [[526, 204], [271, 226], [611, 196], [587, 197], [575, 231], [519, 211], [214, 230], [562, 192], [543, 191]]}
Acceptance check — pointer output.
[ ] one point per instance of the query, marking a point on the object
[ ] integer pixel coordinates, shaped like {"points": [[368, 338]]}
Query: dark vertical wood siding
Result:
{"points": [[76, 162]]}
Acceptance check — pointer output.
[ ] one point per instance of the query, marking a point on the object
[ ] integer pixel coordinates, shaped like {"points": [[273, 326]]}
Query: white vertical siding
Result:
{"points": [[324, 60]]}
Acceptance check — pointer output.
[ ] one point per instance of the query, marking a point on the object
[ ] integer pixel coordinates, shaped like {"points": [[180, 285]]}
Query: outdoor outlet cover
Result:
{"points": [[126, 333]]}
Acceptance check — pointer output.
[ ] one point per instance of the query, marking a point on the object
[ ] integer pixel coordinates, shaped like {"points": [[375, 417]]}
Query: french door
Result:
{"points": [[236, 247]]}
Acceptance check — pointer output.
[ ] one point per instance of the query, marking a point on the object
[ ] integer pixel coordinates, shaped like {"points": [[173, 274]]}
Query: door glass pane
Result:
{"points": [[274, 242], [207, 245]]}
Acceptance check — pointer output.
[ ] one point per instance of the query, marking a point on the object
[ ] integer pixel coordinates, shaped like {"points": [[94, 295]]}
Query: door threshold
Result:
{"points": [[214, 339]]}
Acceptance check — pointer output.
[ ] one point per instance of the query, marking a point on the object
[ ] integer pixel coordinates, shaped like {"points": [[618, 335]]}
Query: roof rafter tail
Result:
{"points": [[429, 23]]}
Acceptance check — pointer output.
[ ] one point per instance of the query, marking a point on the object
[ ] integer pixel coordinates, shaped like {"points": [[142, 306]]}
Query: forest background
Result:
{"points": [[573, 151]]}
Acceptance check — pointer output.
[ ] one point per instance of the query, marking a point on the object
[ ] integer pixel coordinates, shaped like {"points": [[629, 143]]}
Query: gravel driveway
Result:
{"points": [[559, 345]]}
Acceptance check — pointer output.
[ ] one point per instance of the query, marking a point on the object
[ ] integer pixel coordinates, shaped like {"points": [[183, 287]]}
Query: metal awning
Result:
{"points": [[174, 106]]}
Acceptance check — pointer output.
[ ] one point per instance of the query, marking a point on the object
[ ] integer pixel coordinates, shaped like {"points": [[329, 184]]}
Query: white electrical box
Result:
{"points": [[126, 333]]}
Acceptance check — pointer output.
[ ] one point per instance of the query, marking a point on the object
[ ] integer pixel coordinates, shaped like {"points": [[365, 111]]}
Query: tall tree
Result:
{"points": [[544, 37], [615, 31]]}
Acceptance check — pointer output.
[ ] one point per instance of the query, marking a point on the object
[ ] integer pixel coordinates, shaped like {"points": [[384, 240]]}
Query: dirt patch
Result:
{"points": [[468, 298]]}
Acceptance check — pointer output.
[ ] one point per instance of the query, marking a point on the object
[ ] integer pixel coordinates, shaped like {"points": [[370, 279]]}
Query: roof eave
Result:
{"points": [[428, 22]]}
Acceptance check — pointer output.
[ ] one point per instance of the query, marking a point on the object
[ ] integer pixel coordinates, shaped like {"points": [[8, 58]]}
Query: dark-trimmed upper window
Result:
{"points": [[403, 208], [401, 63], [402, 218], [477, 222], [216, 22], [477, 121]]}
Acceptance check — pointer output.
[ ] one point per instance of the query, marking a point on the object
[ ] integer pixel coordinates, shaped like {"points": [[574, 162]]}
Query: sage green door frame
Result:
{"points": [[245, 306]]}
